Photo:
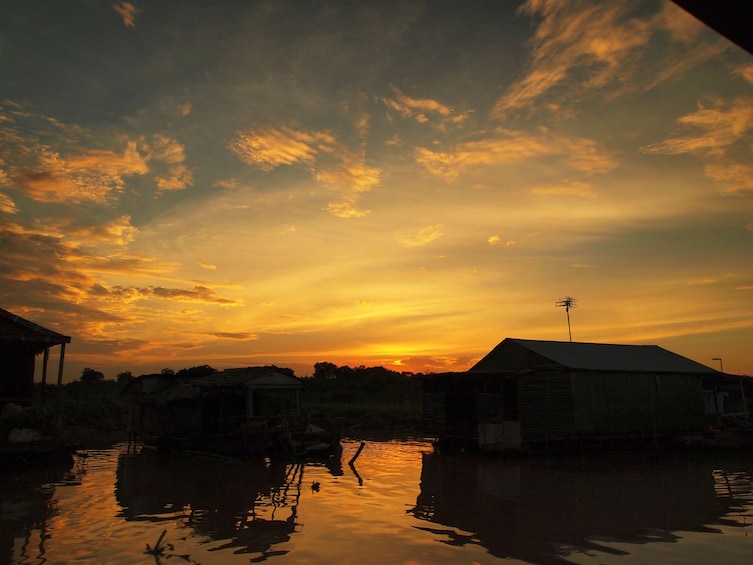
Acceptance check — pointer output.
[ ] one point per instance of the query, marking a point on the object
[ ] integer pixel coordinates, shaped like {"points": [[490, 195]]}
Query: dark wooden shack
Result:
{"points": [[527, 393], [232, 412], [20, 342]]}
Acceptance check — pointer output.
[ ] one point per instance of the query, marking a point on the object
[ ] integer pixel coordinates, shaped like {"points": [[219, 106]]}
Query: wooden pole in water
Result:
{"points": [[360, 448]]}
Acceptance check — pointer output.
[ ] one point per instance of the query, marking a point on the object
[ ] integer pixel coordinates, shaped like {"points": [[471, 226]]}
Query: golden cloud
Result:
{"points": [[407, 106], [352, 175], [713, 280], [7, 205], [118, 231], [329, 162], [82, 176], [418, 109], [198, 294], [195, 294], [571, 188], [237, 336], [226, 183], [593, 37], [269, 148], [87, 177], [172, 153], [734, 177], [128, 12], [77, 267], [714, 131], [345, 209], [422, 237], [508, 146], [586, 156], [724, 122], [602, 44], [745, 71]]}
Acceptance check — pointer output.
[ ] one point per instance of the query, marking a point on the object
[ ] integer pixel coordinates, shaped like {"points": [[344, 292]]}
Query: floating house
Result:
{"points": [[531, 393], [235, 412]]}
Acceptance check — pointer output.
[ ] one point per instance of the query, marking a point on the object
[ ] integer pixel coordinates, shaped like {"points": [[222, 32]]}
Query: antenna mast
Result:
{"points": [[568, 302]]}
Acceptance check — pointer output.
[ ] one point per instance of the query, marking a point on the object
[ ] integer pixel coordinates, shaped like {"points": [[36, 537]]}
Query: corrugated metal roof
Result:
{"points": [[599, 357]]}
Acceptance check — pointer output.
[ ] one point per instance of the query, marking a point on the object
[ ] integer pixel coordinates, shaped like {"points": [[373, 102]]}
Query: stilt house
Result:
{"points": [[20, 342], [232, 412]]}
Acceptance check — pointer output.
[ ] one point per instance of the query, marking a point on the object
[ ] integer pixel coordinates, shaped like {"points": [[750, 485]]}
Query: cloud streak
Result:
{"points": [[579, 47], [721, 132], [334, 165], [509, 147]]}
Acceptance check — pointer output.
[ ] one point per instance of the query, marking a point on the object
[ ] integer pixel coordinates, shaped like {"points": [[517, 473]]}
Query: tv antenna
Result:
{"points": [[568, 302]]}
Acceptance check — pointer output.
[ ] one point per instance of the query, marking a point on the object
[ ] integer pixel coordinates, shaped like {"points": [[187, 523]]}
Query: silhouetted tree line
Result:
{"points": [[354, 393], [360, 385]]}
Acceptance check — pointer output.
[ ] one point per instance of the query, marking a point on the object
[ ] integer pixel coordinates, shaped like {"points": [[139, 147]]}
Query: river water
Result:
{"points": [[401, 502]]}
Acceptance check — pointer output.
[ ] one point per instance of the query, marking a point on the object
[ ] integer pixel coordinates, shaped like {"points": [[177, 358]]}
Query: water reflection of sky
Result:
{"points": [[400, 503]]}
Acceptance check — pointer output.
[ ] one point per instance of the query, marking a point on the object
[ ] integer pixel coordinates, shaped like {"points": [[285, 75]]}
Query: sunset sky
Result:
{"points": [[396, 183]]}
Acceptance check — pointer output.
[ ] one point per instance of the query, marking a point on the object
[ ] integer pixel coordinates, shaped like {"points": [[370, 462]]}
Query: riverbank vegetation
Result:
{"points": [[360, 400], [363, 399]]}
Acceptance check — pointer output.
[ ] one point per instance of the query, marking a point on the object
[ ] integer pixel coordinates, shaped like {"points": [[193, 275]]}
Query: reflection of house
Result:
{"points": [[20, 342], [234, 412], [250, 506], [526, 393], [562, 510]]}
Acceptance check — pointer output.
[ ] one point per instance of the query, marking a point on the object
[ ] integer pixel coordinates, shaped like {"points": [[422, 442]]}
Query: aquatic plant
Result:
{"points": [[161, 549]]}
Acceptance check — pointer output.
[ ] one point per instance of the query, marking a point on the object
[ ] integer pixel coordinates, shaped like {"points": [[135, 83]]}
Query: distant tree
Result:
{"points": [[325, 370], [91, 376], [168, 371], [124, 378], [195, 372]]}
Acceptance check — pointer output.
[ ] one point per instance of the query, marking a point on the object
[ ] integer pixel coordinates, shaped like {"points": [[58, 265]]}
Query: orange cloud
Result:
{"points": [[128, 12], [237, 336], [734, 177], [172, 153], [570, 188], [330, 163], [92, 176], [84, 176], [7, 205], [117, 231], [269, 148], [422, 237], [508, 146], [197, 294], [745, 71], [719, 131], [424, 110], [598, 45]]}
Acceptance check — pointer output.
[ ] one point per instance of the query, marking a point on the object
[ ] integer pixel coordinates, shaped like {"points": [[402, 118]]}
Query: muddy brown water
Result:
{"points": [[401, 502]]}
